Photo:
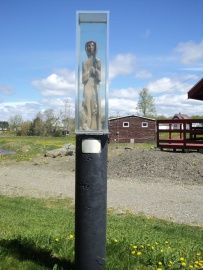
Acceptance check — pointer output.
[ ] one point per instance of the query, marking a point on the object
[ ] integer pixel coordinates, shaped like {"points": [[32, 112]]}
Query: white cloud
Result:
{"points": [[143, 74], [167, 85], [170, 104], [122, 64], [6, 90], [129, 93], [26, 109], [121, 106], [60, 83], [57, 102], [190, 52]]}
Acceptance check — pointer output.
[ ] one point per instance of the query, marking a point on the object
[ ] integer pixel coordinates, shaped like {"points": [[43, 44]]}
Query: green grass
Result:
{"points": [[39, 234], [27, 148]]}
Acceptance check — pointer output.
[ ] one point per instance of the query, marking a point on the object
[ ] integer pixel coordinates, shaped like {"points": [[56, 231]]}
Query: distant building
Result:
{"points": [[180, 116], [131, 129]]}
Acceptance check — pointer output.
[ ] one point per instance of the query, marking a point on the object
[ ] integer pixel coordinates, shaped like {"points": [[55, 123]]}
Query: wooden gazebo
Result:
{"points": [[189, 134]]}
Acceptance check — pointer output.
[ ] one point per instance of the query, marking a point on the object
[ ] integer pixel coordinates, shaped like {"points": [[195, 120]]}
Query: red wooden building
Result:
{"points": [[131, 129]]}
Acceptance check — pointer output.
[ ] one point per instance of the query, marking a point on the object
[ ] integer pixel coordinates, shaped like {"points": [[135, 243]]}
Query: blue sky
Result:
{"points": [[156, 44]]}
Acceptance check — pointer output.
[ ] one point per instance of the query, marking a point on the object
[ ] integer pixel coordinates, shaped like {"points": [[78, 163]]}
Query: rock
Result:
{"points": [[65, 150]]}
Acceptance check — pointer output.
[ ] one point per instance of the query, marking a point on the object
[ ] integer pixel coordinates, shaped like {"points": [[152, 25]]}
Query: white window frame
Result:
{"points": [[126, 125], [144, 124]]}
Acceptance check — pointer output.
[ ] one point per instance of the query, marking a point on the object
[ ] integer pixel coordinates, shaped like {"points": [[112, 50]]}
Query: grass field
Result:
{"points": [[26, 148], [39, 233]]}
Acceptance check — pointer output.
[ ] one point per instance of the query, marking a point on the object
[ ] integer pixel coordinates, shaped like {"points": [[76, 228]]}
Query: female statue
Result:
{"points": [[91, 77]]}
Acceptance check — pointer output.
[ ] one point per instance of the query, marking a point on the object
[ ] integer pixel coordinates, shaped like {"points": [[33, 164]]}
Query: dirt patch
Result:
{"points": [[178, 167]]}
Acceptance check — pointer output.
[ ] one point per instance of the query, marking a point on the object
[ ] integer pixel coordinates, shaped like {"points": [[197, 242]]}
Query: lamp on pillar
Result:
{"points": [[91, 128]]}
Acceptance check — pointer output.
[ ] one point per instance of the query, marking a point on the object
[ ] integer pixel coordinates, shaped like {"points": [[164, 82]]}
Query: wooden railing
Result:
{"points": [[180, 134]]}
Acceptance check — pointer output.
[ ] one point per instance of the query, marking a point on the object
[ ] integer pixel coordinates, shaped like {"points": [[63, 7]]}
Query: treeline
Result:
{"points": [[45, 123], [4, 125]]}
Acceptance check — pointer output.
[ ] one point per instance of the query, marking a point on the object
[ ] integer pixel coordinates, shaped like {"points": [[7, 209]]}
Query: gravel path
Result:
{"points": [[138, 186]]}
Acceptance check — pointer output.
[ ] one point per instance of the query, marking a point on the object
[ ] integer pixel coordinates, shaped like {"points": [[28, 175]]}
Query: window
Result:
{"points": [[125, 124], [144, 124]]}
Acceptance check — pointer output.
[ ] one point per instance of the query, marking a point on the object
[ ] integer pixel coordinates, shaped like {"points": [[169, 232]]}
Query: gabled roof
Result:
{"points": [[196, 92], [180, 116], [132, 115]]}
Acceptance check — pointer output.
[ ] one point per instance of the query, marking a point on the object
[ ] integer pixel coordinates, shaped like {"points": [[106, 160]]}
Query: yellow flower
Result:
{"points": [[56, 239], [133, 252], [183, 264], [182, 259], [115, 240], [152, 248], [191, 266], [159, 268], [156, 243], [198, 254], [148, 245], [166, 242], [159, 263], [161, 250], [135, 247], [70, 236], [139, 253]]}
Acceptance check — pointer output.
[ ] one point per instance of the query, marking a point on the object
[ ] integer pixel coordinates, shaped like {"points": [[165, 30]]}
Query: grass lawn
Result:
{"points": [[39, 234]]}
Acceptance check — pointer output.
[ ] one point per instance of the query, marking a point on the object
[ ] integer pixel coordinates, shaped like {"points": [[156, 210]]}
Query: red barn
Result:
{"points": [[131, 129]]}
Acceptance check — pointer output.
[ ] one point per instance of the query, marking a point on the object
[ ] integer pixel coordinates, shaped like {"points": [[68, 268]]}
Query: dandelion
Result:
{"points": [[115, 241], [159, 268], [161, 250], [166, 242], [134, 247], [183, 264], [198, 254], [152, 248], [159, 263], [70, 236], [139, 253], [56, 239], [182, 259], [191, 266], [133, 252], [156, 243]]}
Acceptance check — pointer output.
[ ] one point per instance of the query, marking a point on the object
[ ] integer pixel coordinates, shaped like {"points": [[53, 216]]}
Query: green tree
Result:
{"points": [[146, 106], [15, 123]]}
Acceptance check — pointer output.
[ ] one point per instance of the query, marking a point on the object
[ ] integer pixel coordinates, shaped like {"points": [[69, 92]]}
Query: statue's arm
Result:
{"points": [[85, 73], [98, 70]]}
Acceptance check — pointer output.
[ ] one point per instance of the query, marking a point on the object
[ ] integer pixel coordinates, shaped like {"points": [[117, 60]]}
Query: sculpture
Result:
{"points": [[91, 77]]}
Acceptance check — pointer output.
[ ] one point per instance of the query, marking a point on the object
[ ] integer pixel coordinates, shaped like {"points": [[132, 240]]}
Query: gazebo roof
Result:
{"points": [[196, 92]]}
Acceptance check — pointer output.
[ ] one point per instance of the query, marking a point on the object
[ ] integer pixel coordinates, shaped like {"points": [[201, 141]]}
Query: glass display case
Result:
{"points": [[91, 112]]}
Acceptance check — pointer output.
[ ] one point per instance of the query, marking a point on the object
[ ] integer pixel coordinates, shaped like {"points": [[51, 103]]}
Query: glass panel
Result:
{"points": [[92, 82]]}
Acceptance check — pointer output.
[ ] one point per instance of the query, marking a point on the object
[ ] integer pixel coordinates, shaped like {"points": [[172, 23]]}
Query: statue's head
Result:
{"points": [[91, 48]]}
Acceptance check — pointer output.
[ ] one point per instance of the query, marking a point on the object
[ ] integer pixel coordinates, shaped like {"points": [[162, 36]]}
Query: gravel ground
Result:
{"points": [[166, 185]]}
